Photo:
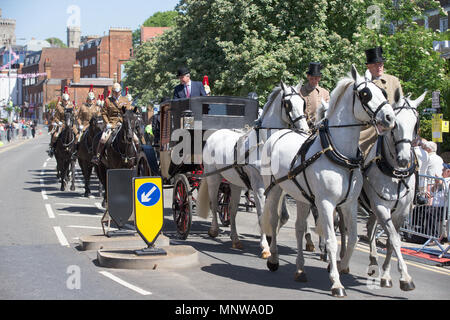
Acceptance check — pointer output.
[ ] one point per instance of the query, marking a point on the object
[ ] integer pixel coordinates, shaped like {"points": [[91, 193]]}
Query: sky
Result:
{"points": [[42, 19]]}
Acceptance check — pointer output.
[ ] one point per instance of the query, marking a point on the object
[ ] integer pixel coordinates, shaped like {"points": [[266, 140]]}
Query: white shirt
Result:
{"points": [[435, 165], [439, 196], [424, 159]]}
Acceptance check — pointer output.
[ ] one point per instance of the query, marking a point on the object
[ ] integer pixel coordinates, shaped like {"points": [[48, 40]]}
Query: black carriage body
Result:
{"points": [[209, 113]]}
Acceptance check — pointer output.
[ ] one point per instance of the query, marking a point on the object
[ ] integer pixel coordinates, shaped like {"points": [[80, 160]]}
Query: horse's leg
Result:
{"points": [[326, 215], [260, 199], [393, 245], [303, 210], [214, 182], [339, 220], [270, 224], [309, 243], [234, 204], [373, 269], [350, 219]]}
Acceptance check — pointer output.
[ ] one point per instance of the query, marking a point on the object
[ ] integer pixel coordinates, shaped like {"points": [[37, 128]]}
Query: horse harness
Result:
{"points": [[328, 148], [287, 106], [387, 169]]}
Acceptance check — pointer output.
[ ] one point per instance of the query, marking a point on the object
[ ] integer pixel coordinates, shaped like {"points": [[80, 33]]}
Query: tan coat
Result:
{"points": [[85, 113], [368, 134], [313, 98], [112, 110]]}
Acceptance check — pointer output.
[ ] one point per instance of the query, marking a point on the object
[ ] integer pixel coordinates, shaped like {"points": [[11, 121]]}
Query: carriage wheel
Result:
{"points": [[223, 201], [182, 206], [143, 168]]}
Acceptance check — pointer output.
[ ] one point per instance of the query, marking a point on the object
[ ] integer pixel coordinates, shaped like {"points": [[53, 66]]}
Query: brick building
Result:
{"points": [[79, 87], [105, 57], [44, 71], [150, 33]]}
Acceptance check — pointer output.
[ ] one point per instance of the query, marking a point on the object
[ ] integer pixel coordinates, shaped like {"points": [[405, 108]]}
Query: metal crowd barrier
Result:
{"points": [[430, 221]]}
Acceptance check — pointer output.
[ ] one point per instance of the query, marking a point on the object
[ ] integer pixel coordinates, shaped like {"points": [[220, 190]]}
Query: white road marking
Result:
{"points": [[78, 215], [50, 213], [61, 238], [89, 227], [45, 164], [44, 194], [99, 206], [124, 283], [75, 204]]}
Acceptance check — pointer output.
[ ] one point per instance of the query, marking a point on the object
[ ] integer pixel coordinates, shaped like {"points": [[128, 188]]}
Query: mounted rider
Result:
{"points": [[87, 110], [375, 73], [112, 117], [313, 93], [58, 120]]}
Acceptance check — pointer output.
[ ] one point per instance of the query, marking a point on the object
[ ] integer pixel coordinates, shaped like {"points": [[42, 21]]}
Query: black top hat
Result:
{"points": [[374, 55], [182, 71], [314, 69]]}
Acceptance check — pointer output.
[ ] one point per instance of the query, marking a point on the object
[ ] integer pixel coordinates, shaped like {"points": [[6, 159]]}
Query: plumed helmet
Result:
{"points": [[65, 95], [205, 80], [91, 94], [116, 87]]}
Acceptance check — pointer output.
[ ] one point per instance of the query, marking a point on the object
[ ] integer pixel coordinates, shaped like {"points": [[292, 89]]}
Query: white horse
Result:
{"points": [[235, 155], [389, 183], [324, 170]]}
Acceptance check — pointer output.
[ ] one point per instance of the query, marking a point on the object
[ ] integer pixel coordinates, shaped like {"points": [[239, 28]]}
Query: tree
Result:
{"points": [[56, 42], [249, 46]]}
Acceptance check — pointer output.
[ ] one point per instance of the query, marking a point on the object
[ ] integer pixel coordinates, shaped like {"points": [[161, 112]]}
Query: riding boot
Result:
{"points": [[96, 159], [75, 153]]}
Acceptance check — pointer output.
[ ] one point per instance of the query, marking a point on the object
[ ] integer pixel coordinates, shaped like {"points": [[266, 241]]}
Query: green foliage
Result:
{"points": [[249, 46], [56, 42], [161, 19]]}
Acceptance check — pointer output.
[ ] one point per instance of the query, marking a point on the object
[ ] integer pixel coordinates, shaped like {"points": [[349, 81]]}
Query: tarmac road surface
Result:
{"points": [[40, 256]]}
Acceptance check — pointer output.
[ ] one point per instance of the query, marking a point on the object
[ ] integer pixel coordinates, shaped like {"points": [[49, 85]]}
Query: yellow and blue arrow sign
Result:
{"points": [[148, 207]]}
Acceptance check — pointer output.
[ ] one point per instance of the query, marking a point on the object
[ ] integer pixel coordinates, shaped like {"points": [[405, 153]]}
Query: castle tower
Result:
{"points": [[73, 36]]}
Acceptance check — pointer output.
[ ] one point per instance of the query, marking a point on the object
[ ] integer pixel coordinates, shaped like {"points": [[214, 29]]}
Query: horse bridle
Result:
{"points": [[69, 127], [287, 106], [365, 95]]}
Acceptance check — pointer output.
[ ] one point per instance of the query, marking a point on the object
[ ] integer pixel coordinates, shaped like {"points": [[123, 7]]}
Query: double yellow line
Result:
{"points": [[364, 248]]}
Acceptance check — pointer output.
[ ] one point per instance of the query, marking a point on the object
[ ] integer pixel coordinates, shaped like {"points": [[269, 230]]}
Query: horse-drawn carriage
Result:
{"points": [[185, 125]]}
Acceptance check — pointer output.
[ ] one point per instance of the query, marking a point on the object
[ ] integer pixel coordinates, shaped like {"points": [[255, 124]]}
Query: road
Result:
{"points": [[40, 256]]}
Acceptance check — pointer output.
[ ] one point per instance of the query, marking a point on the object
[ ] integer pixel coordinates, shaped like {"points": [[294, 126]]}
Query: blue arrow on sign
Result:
{"points": [[148, 194]]}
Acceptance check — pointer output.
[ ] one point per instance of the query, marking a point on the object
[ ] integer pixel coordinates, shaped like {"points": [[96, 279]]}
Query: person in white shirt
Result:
{"points": [[435, 161]]}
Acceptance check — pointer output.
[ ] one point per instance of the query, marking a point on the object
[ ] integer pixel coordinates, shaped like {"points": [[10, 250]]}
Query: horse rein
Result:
{"points": [[287, 106]]}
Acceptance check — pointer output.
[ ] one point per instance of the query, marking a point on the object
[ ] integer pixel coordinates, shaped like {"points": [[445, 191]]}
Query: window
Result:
{"points": [[443, 24], [93, 60], [86, 62], [219, 109], [94, 76]]}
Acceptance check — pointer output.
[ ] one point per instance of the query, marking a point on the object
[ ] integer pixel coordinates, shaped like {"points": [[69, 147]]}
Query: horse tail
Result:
{"points": [[203, 204]]}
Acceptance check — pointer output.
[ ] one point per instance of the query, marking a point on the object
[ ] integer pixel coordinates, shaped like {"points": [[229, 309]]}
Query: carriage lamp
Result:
{"points": [[187, 119]]}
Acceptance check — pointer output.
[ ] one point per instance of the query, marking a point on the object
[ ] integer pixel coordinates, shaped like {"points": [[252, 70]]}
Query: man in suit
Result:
{"points": [[313, 93], [375, 73], [187, 88]]}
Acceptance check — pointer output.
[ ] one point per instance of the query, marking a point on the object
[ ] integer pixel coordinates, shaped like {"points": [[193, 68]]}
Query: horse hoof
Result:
{"points": [[407, 286], [86, 194], [272, 266], [213, 234], [300, 276], [323, 257], [345, 271], [385, 283], [237, 245], [310, 247], [265, 255], [373, 270], [338, 292], [72, 188]]}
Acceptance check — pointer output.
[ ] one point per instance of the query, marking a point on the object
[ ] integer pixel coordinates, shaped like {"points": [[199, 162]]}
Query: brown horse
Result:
{"points": [[120, 151], [65, 147], [86, 150]]}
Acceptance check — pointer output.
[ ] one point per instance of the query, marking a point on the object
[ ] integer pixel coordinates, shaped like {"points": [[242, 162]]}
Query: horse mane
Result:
{"points": [[270, 100], [337, 93]]}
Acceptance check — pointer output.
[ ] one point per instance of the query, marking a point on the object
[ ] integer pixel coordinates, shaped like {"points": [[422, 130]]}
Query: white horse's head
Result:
{"points": [[370, 104], [406, 126], [294, 107]]}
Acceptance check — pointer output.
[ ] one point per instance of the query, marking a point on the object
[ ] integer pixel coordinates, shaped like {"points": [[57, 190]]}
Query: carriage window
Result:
{"points": [[219, 109]]}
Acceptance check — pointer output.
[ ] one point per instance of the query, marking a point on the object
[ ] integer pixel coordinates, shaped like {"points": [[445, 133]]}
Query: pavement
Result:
{"points": [[41, 130]]}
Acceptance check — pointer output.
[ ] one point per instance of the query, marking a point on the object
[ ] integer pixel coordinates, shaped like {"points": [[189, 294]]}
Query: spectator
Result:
{"points": [[434, 167]]}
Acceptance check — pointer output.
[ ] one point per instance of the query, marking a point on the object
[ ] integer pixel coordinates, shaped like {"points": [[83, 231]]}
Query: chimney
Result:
{"points": [[48, 68], [76, 72]]}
